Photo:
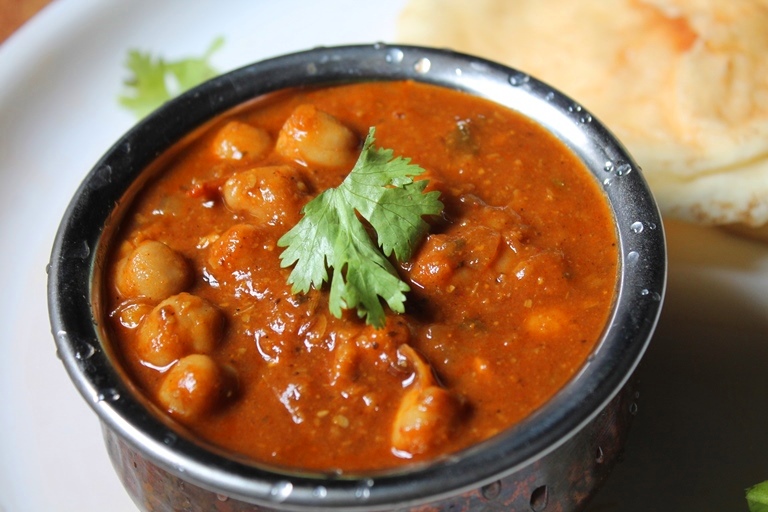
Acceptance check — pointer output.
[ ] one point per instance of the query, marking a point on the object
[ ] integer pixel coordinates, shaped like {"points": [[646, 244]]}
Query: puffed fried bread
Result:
{"points": [[683, 83]]}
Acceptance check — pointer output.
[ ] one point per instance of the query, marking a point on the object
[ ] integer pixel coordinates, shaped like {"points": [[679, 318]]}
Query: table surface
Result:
{"points": [[13, 14]]}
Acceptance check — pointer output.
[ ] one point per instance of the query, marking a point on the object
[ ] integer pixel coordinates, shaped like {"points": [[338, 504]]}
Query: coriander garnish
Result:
{"points": [[330, 236]]}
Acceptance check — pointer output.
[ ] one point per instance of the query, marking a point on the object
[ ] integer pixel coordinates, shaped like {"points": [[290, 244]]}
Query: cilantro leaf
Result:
{"points": [[330, 236], [757, 497], [154, 80]]}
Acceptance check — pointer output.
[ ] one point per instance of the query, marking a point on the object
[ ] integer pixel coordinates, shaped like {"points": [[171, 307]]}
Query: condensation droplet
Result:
{"points": [[632, 257], [599, 456], [608, 167], [519, 79], [633, 408], [48, 268], [363, 491], [575, 108], [636, 227], [607, 181], [422, 65], [170, 439], [549, 96], [648, 293], [623, 169], [108, 395], [458, 71], [221, 497], [585, 118], [539, 499], [394, 56], [80, 250], [85, 351], [491, 491], [320, 492], [281, 490], [311, 68]]}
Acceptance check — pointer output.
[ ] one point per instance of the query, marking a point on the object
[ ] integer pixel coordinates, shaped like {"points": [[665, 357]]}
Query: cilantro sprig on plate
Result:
{"points": [[757, 497], [331, 237], [155, 80]]}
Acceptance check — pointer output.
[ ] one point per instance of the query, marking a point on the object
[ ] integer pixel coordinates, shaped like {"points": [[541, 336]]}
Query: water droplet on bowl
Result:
{"points": [[170, 439], [636, 227], [422, 66], [394, 56], [311, 68], [632, 257], [221, 497], [281, 490], [85, 351], [608, 167], [320, 492], [79, 250], [518, 79], [108, 395], [648, 293], [549, 96], [633, 408], [623, 169], [363, 491]]}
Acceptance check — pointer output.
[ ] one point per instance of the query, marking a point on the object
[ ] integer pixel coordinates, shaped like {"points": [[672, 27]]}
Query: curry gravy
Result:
{"points": [[510, 290]]}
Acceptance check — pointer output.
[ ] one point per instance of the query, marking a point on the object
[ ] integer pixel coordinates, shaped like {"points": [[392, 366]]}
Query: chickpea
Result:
{"points": [[241, 141], [154, 271], [313, 137], [547, 322], [239, 249], [434, 264], [428, 414], [196, 385], [272, 195], [180, 325]]}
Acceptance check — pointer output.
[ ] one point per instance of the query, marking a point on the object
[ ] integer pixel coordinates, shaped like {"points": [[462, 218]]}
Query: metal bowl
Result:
{"points": [[553, 460]]}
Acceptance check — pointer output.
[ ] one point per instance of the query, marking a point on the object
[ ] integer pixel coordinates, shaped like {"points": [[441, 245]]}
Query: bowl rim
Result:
{"points": [[77, 254]]}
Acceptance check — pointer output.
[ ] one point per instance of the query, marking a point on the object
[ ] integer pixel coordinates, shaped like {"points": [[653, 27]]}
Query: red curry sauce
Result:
{"points": [[510, 290]]}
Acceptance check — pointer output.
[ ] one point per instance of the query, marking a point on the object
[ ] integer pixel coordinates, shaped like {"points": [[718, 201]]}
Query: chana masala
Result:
{"points": [[509, 291]]}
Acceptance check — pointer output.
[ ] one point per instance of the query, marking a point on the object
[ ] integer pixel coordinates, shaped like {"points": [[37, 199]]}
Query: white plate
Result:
{"points": [[700, 436]]}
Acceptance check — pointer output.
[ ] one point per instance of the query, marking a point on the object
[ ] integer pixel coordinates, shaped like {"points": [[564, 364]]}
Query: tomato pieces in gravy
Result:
{"points": [[510, 290]]}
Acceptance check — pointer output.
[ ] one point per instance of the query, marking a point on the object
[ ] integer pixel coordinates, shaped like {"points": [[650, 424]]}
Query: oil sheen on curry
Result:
{"points": [[509, 290]]}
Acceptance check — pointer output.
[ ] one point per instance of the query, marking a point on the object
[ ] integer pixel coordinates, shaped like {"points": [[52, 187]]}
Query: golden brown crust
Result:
{"points": [[683, 83]]}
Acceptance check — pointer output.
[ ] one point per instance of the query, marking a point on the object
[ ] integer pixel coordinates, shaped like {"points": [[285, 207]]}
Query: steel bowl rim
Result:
{"points": [[76, 252]]}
